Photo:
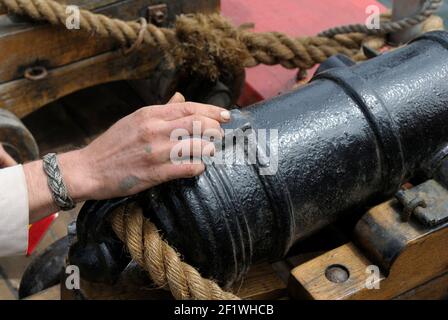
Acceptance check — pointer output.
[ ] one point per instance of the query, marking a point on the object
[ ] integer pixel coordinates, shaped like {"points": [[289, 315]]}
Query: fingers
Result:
{"points": [[190, 149], [5, 159], [171, 171], [182, 150], [176, 98], [181, 110], [195, 125]]}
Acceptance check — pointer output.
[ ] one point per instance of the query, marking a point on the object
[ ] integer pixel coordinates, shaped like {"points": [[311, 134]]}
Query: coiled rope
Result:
{"points": [[207, 45], [162, 262]]}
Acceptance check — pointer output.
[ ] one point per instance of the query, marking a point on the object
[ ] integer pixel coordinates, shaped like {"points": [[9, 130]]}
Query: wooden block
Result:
{"points": [[107, 67], [436, 288], [261, 283], [312, 282], [408, 255]]}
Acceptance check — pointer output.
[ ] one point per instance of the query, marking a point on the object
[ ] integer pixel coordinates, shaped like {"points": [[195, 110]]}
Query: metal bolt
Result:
{"points": [[337, 273], [36, 73], [157, 14]]}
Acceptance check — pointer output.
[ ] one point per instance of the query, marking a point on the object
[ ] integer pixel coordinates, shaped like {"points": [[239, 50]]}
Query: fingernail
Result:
{"points": [[176, 98], [225, 115]]}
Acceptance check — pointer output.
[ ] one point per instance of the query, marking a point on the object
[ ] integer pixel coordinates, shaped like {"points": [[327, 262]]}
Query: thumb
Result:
{"points": [[176, 98]]}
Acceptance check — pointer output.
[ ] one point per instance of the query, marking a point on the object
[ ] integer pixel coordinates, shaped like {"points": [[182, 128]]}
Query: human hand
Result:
{"points": [[134, 154]]}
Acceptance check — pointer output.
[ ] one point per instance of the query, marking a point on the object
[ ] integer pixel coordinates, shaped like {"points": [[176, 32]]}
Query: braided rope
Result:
{"points": [[207, 45], [202, 43], [162, 262], [430, 7], [56, 184]]}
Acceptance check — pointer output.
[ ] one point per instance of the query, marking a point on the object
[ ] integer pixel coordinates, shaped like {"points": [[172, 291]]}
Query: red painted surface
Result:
{"points": [[295, 18], [37, 231]]}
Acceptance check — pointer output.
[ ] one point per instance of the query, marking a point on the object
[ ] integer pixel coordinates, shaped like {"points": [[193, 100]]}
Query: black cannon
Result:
{"points": [[353, 135]]}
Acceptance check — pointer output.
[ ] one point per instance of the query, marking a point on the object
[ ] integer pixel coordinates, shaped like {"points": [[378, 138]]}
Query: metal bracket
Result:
{"points": [[157, 14], [428, 202]]}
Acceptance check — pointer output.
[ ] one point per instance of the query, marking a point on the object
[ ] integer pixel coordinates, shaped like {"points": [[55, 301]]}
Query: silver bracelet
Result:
{"points": [[56, 183]]}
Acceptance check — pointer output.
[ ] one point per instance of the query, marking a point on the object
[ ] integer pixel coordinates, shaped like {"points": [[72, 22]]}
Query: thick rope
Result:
{"points": [[162, 262], [204, 44], [207, 45], [428, 9]]}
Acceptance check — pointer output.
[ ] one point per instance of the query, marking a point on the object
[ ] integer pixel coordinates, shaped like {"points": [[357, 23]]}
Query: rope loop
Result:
{"points": [[141, 35]]}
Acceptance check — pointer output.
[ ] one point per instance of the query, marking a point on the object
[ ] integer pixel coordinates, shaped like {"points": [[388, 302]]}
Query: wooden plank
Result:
{"points": [[261, 283], [407, 254], [42, 45], [436, 288], [24, 96], [86, 4], [308, 280], [26, 44], [67, 56]]}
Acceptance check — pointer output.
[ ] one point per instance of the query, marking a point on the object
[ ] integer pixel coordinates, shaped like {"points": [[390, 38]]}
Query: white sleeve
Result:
{"points": [[14, 212]]}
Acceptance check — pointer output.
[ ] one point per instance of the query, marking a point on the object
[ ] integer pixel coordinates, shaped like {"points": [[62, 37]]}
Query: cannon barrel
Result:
{"points": [[353, 134]]}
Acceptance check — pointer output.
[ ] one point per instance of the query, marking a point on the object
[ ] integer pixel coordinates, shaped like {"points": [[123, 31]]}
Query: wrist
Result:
{"points": [[76, 171], [40, 200]]}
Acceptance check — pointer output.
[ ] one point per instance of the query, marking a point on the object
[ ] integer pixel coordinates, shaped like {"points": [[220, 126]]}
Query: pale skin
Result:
{"points": [[131, 156]]}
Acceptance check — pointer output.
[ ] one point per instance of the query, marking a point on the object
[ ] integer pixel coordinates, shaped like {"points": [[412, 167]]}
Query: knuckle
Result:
{"points": [[197, 118], [147, 131], [193, 170], [144, 113], [188, 108], [215, 124]]}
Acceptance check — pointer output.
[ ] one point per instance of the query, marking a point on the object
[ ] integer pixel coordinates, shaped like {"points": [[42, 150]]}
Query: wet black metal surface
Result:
{"points": [[353, 135]]}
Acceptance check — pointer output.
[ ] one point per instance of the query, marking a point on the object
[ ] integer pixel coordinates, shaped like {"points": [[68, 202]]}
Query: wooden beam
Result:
{"points": [[262, 282], [408, 255], [86, 4], [25, 46], [24, 96], [60, 52]]}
